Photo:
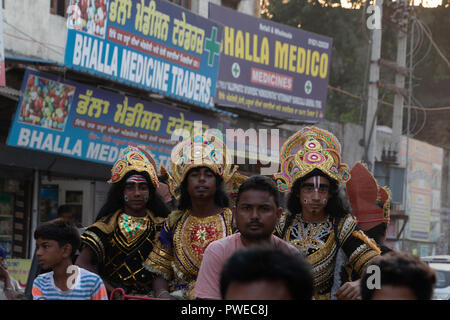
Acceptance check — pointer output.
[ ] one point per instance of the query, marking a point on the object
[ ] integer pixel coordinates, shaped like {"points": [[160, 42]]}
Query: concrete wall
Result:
{"points": [[29, 29], [249, 7]]}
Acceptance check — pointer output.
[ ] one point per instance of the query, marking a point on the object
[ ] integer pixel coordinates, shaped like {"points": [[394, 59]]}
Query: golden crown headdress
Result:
{"points": [[200, 151], [133, 158], [319, 149], [235, 182]]}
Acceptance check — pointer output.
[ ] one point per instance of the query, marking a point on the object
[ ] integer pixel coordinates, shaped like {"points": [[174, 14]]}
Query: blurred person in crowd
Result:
{"points": [[265, 273], [164, 189], [9, 287], [400, 276], [66, 214]]}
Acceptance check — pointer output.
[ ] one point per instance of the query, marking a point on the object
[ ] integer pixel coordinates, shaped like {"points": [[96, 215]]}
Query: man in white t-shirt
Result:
{"points": [[257, 212]]}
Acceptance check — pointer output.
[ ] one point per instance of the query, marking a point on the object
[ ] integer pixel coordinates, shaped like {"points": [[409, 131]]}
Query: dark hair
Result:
{"points": [[336, 206], [220, 198], [377, 233], [261, 183], [115, 201], [402, 269], [265, 263], [61, 232], [63, 209]]}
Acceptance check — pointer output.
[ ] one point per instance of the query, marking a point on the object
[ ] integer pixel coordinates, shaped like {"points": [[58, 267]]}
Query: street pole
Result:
{"points": [[397, 117], [406, 193], [372, 99], [34, 212]]}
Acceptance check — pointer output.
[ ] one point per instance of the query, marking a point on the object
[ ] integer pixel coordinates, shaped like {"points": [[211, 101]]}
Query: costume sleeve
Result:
{"points": [[278, 231], [94, 238], [207, 285], [160, 259], [359, 249]]}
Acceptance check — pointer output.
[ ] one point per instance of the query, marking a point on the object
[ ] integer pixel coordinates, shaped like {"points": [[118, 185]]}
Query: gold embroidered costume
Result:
{"points": [[183, 239], [121, 242], [319, 149], [316, 240], [179, 252]]}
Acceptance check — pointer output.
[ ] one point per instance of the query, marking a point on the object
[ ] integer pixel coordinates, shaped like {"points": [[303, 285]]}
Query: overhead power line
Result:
{"points": [[427, 33], [386, 103]]}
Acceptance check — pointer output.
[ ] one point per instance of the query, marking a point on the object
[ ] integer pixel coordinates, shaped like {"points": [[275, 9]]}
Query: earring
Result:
{"points": [[126, 198], [146, 198]]}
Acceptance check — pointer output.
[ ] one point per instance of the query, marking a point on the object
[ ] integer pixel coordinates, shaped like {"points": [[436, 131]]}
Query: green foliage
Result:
{"points": [[350, 52]]}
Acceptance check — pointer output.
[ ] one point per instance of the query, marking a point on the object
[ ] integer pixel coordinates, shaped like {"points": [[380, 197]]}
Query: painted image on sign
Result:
{"points": [[46, 103], [88, 16]]}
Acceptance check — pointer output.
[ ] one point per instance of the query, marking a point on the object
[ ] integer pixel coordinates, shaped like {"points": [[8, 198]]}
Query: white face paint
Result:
{"points": [[316, 180]]}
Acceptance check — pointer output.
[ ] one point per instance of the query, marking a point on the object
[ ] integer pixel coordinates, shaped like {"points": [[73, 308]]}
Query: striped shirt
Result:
{"points": [[87, 286]]}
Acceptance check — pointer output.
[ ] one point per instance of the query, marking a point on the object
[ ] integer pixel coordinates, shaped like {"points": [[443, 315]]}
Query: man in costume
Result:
{"points": [[317, 222], [200, 166], [370, 204], [126, 227]]}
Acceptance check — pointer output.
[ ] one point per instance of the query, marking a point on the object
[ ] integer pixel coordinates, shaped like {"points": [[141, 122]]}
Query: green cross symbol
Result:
{"points": [[212, 46], [308, 87], [235, 70]]}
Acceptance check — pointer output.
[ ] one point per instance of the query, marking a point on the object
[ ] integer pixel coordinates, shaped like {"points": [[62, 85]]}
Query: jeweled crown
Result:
{"points": [[133, 159], [201, 151], [319, 149]]}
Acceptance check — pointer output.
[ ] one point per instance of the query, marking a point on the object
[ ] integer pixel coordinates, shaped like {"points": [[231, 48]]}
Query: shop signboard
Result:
{"points": [[270, 68], [79, 121], [19, 270], [154, 45], [425, 163]]}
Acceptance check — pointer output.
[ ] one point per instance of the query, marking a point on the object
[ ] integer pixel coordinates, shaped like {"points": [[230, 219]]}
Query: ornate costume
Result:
{"points": [[178, 253], [370, 203], [121, 242], [321, 241]]}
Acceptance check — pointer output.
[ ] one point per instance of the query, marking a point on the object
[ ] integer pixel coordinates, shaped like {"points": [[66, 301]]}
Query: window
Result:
{"points": [[183, 3], [59, 7], [390, 176]]}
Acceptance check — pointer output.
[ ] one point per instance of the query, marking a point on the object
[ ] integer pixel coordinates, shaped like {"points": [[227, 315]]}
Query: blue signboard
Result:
{"points": [[78, 121], [270, 68], [153, 45]]}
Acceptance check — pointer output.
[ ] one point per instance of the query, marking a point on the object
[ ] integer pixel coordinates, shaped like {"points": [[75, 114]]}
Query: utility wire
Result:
{"points": [[433, 43], [384, 102], [43, 44]]}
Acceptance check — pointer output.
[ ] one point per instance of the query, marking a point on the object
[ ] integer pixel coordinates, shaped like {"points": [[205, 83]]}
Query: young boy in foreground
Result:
{"points": [[56, 243]]}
